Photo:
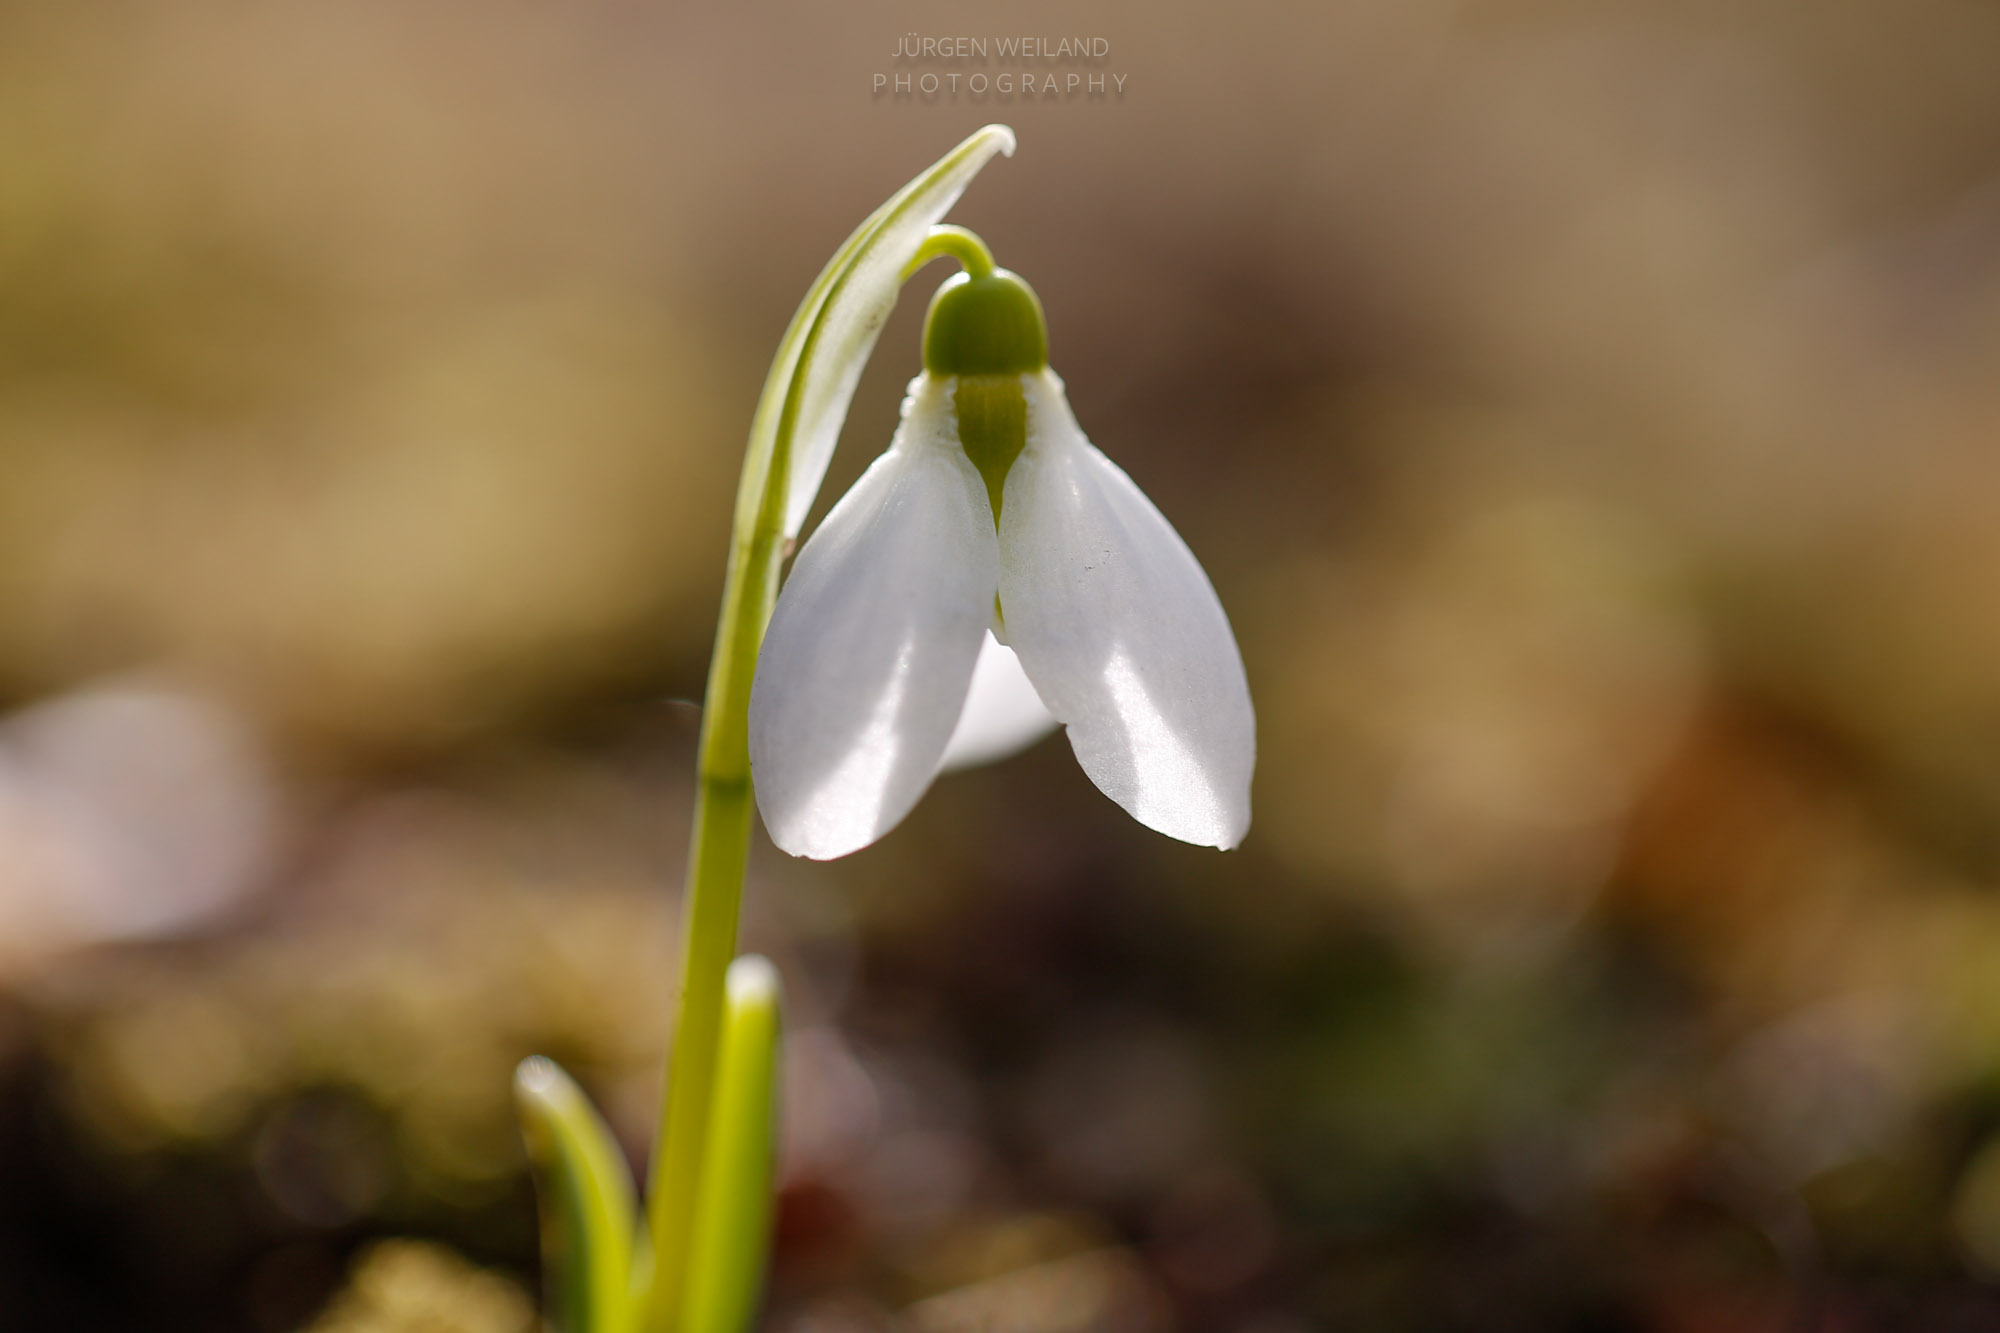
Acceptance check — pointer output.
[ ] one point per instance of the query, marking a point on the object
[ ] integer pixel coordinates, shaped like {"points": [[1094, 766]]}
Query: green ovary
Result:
{"points": [[989, 325], [987, 331]]}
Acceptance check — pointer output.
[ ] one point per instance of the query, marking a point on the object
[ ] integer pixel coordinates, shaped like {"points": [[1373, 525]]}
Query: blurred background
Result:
{"points": [[1588, 413]]}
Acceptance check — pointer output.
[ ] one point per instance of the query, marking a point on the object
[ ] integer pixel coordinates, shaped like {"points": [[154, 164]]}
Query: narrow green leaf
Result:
{"points": [[587, 1201], [733, 1212]]}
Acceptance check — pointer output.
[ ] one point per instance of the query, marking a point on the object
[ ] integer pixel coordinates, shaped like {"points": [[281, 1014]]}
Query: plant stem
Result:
{"points": [[958, 242], [716, 861], [720, 846]]}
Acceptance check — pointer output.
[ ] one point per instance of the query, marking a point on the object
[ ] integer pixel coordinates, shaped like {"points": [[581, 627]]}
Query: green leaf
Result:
{"points": [[733, 1212], [587, 1201]]}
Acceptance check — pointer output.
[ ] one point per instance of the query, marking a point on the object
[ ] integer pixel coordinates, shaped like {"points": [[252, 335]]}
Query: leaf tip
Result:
{"points": [[753, 980], [544, 1091], [537, 1077]]}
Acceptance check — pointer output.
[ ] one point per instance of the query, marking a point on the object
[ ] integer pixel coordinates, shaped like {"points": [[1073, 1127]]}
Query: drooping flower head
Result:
{"points": [[991, 520]]}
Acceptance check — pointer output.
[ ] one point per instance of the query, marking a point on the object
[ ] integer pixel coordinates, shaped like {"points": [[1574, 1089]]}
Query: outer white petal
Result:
{"points": [[859, 304], [864, 669], [1003, 714], [1123, 635]]}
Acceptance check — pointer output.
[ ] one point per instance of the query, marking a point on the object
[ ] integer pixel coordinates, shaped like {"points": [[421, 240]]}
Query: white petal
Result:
{"points": [[1003, 714], [1122, 634], [858, 306], [864, 669]]}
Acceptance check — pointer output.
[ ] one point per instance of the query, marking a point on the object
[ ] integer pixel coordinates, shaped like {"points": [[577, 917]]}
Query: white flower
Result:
{"points": [[1003, 714], [991, 510]]}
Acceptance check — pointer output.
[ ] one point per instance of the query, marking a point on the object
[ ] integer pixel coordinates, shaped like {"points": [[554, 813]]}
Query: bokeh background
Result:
{"points": [[1587, 411]]}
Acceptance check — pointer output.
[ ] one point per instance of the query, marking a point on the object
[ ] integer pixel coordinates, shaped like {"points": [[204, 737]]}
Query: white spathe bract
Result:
{"points": [[858, 305], [864, 674]]}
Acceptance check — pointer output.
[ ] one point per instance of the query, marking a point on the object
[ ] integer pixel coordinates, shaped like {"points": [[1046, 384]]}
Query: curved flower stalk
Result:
{"points": [[698, 1266], [992, 517]]}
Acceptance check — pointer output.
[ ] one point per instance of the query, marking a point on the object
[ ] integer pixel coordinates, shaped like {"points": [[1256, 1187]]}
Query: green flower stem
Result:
{"points": [[715, 893], [723, 799], [957, 242]]}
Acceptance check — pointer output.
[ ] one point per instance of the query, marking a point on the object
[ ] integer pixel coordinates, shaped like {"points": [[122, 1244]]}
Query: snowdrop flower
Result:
{"points": [[992, 513]]}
